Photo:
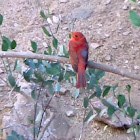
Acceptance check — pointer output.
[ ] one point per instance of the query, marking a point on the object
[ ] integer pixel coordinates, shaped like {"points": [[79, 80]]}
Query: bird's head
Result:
{"points": [[77, 36]]}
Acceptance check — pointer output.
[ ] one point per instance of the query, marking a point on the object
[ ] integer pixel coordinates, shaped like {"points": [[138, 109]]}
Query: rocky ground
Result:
{"points": [[112, 40]]}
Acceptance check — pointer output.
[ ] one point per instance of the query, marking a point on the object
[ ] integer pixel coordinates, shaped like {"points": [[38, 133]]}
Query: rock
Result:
{"points": [[59, 128], [120, 121], [63, 1], [80, 13], [55, 19], [126, 33], [108, 57], [45, 44], [17, 119], [126, 62], [107, 35], [133, 8], [114, 47], [62, 91], [136, 67], [69, 113], [125, 7], [65, 28], [49, 21], [94, 45], [99, 24], [15, 25], [107, 2]]}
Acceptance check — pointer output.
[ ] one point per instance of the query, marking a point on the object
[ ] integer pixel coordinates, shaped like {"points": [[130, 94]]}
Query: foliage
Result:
{"points": [[134, 17], [52, 74], [15, 136]]}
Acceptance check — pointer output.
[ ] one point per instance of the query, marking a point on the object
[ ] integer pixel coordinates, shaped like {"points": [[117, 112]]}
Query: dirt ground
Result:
{"points": [[104, 22]]}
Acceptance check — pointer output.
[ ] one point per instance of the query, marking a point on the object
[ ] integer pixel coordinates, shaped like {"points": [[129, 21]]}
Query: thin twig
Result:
{"points": [[35, 110], [59, 59], [44, 110], [133, 127], [52, 116]]}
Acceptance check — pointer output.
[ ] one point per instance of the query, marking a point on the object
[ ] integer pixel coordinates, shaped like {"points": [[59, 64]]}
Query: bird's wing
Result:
{"points": [[83, 55], [73, 57]]}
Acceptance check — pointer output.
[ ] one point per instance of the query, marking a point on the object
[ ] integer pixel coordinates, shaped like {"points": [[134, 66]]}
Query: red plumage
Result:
{"points": [[78, 55]]}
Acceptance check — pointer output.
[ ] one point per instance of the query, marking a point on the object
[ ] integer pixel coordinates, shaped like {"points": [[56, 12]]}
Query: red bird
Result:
{"points": [[78, 55]]}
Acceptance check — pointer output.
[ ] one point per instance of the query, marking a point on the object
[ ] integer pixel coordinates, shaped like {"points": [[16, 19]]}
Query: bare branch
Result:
{"points": [[49, 120], [59, 59]]}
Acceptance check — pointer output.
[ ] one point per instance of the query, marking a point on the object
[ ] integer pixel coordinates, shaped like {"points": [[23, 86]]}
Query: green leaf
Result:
{"points": [[30, 63], [92, 81], [88, 115], [4, 47], [75, 93], [133, 0], [11, 138], [14, 133], [45, 31], [128, 88], [38, 75], [42, 68], [46, 63], [42, 14], [55, 42], [106, 103], [92, 95], [52, 71], [57, 87], [27, 74], [98, 110], [17, 66], [106, 90], [46, 53], [20, 137], [134, 18], [111, 110], [131, 111], [51, 89], [11, 80], [114, 88], [33, 94], [61, 76], [34, 129], [34, 46], [121, 100], [30, 119], [70, 35], [99, 74], [57, 28], [1, 19], [98, 91], [85, 102], [102, 112], [13, 44], [48, 82], [6, 43], [91, 71], [17, 88], [130, 130], [39, 116], [63, 51], [138, 116], [49, 50]]}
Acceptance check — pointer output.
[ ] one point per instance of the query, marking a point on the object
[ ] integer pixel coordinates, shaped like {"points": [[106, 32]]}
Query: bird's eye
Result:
{"points": [[76, 35]]}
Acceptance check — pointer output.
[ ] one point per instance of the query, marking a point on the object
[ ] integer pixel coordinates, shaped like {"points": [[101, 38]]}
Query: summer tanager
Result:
{"points": [[78, 55]]}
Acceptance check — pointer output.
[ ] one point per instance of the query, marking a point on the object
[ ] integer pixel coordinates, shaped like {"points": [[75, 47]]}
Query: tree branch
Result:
{"points": [[59, 59]]}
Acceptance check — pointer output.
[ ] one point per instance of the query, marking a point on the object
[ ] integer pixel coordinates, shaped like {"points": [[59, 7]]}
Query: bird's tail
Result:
{"points": [[81, 81]]}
